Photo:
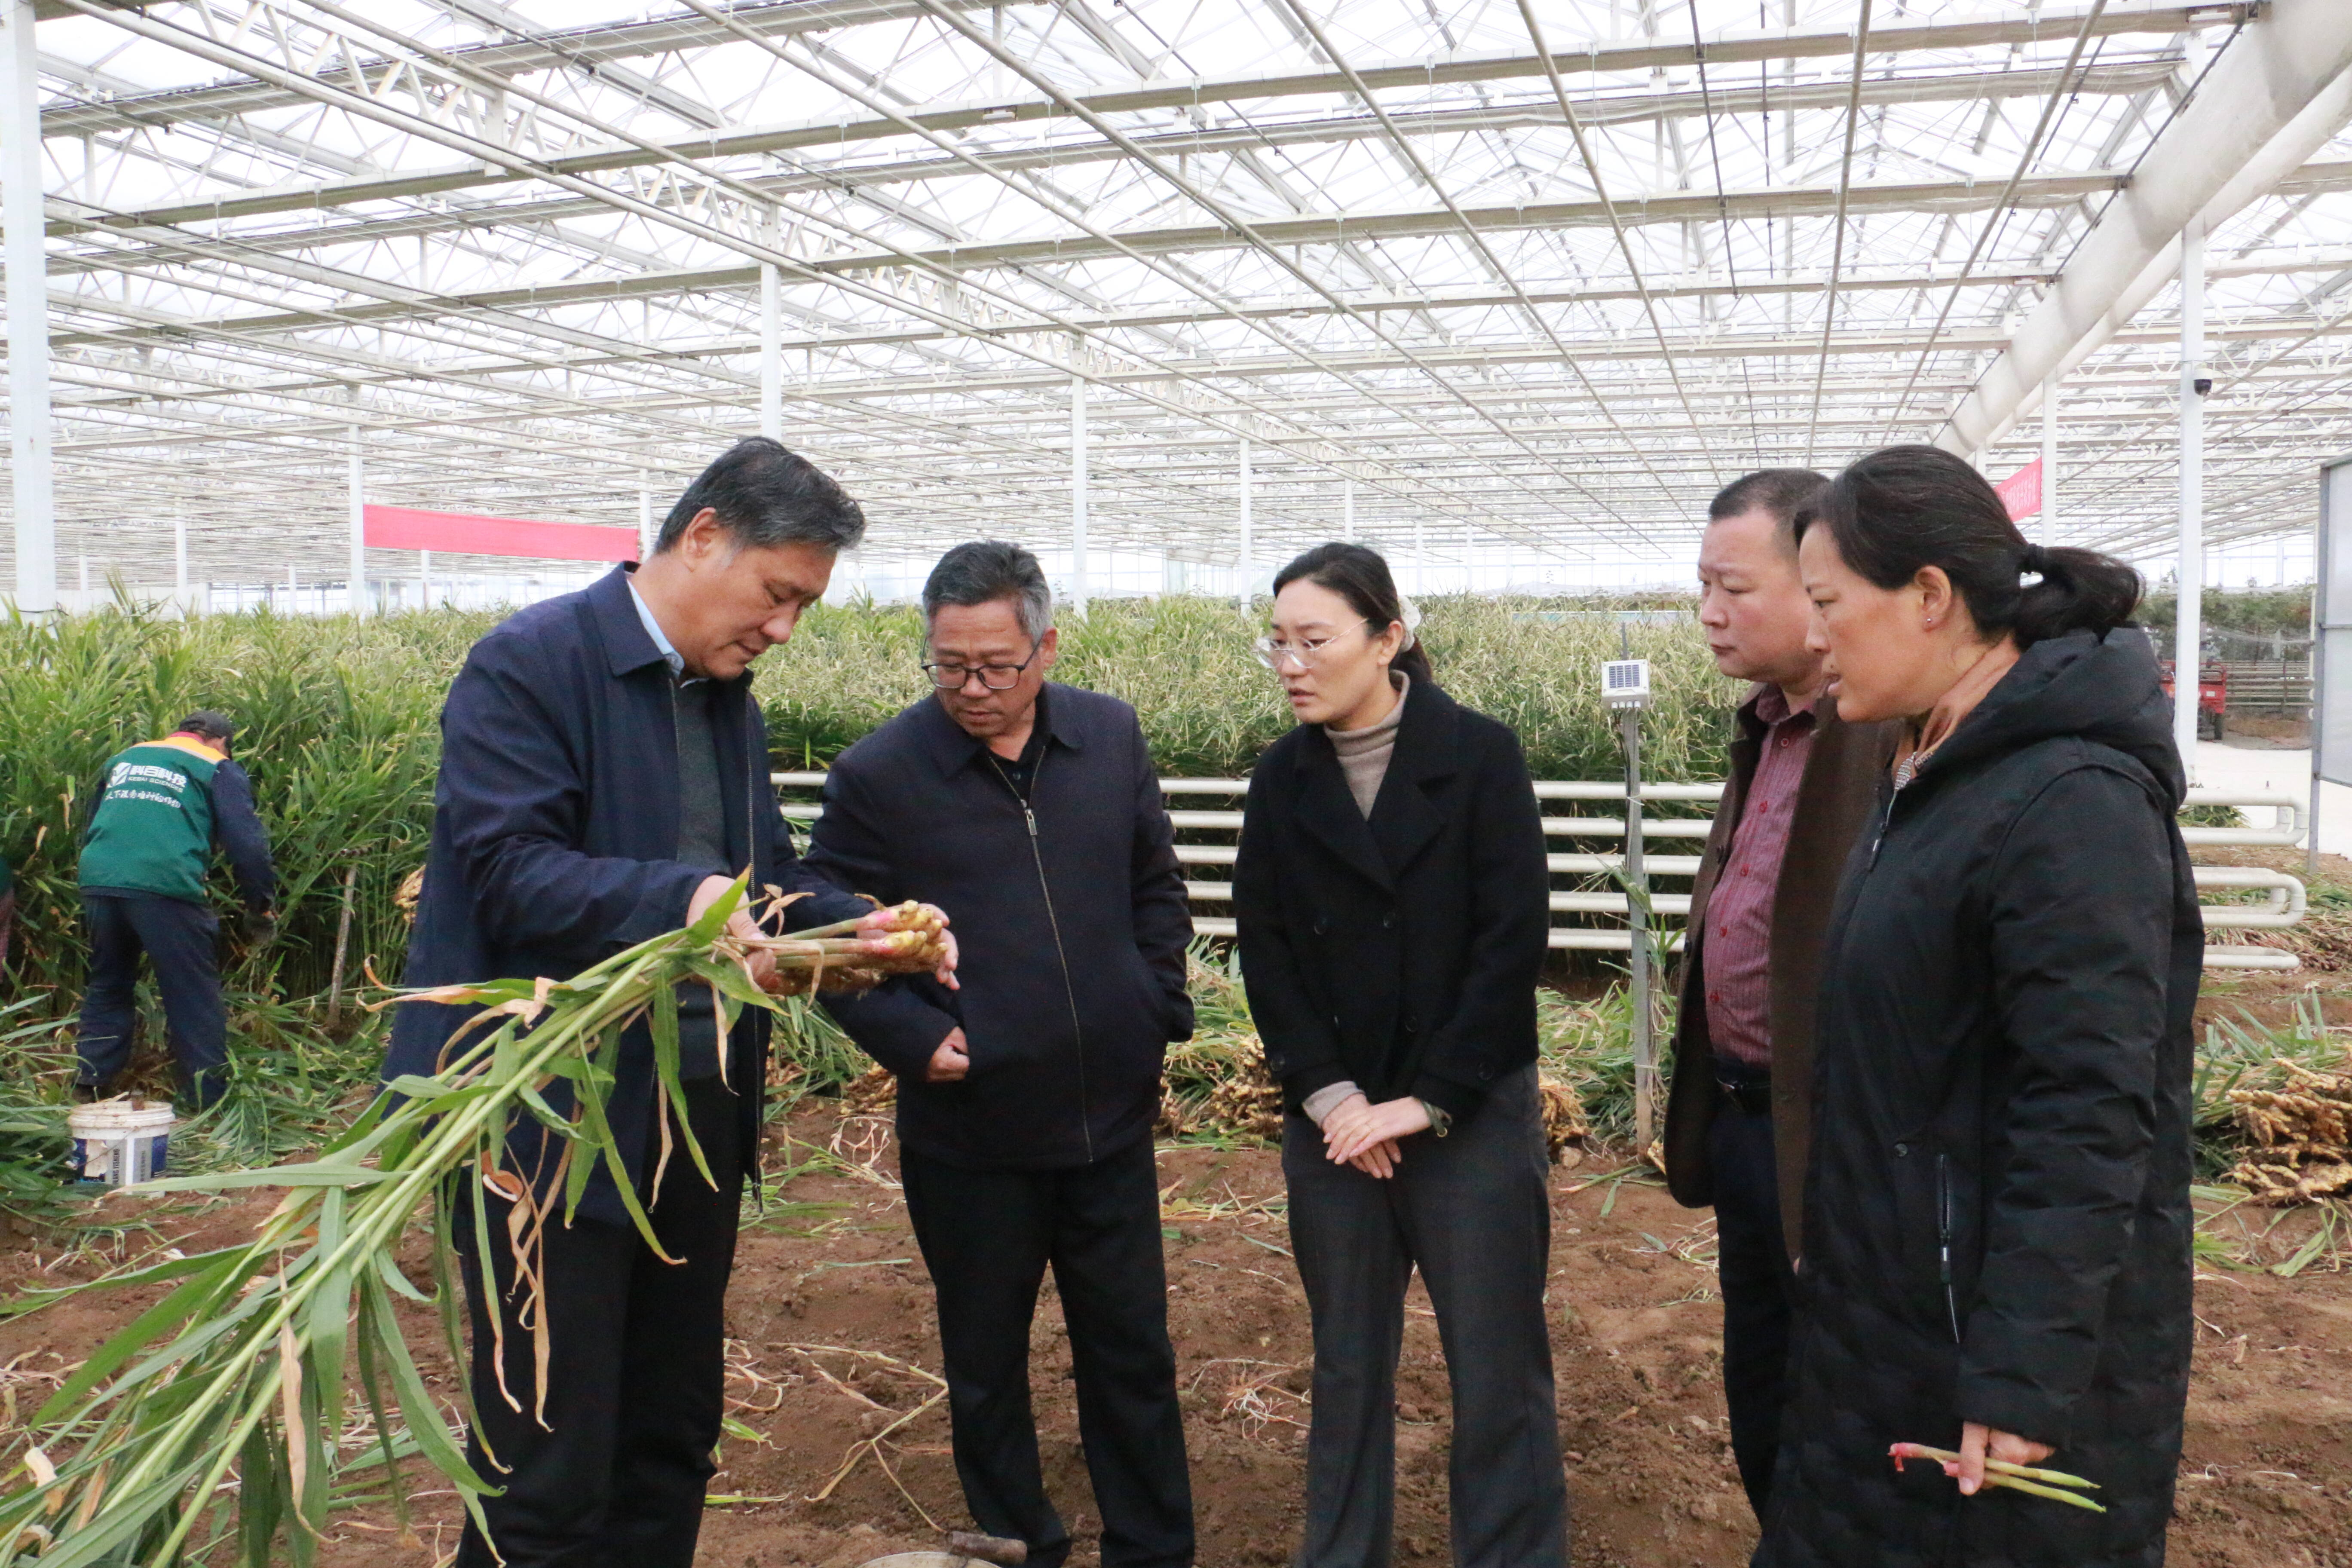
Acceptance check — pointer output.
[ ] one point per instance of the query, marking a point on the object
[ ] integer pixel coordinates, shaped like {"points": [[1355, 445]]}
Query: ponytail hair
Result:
{"points": [[1360, 574], [1906, 508]]}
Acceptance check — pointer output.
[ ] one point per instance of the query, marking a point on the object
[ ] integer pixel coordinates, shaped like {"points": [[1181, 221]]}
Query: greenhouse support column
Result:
{"points": [[645, 520], [357, 568], [1637, 926], [180, 557], [2190, 607], [424, 579], [1242, 590], [1347, 509], [1078, 493], [1419, 578], [27, 281], [771, 353], [2050, 461]]}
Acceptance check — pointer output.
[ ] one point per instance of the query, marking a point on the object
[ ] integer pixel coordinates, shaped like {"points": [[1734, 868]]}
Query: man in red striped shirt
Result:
{"points": [[1801, 786]]}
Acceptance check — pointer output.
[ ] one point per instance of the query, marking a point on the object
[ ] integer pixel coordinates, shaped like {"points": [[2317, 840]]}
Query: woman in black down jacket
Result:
{"points": [[1997, 1219], [1391, 894]]}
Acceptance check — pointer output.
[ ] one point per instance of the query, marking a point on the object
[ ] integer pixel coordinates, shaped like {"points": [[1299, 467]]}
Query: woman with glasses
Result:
{"points": [[1391, 899]]}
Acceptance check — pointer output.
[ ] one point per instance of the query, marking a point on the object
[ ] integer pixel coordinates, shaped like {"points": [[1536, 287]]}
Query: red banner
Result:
{"points": [[2022, 492], [461, 533]]}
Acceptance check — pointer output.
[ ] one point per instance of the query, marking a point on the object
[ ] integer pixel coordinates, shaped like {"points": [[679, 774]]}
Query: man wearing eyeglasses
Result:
{"points": [[1030, 812]]}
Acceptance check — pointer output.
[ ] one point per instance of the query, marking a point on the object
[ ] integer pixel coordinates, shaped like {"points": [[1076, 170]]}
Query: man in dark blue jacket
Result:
{"points": [[1026, 1100], [603, 777]]}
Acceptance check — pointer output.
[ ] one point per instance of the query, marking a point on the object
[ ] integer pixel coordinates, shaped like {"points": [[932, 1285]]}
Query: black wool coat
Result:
{"points": [[1402, 951], [1071, 917], [1997, 1218], [556, 824]]}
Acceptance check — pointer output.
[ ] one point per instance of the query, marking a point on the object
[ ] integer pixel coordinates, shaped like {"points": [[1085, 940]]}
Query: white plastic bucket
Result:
{"points": [[121, 1141]]}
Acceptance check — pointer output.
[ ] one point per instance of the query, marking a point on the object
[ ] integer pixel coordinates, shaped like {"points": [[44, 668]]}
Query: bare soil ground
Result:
{"points": [[834, 1344], [2269, 730]]}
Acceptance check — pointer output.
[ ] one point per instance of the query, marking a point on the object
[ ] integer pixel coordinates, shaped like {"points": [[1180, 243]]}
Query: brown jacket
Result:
{"points": [[1836, 800]]}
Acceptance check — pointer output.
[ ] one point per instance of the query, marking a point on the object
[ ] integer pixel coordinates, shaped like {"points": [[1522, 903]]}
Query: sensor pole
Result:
{"points": [[1625, 687]]}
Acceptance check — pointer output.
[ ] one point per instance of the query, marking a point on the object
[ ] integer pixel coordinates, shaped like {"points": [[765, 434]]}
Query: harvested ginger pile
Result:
{"points": [[2300, 1138]]}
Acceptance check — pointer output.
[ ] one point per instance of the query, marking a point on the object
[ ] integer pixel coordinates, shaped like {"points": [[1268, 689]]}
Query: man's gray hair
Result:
{"points": [[987, 569], [767, 495]]}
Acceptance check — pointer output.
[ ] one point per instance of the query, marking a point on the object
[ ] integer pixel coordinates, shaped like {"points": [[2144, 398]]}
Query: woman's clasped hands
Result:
{"points": [[1358, 1132]]}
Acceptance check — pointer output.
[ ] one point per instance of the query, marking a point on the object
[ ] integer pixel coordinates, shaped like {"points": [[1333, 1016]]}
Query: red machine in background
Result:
{"points": [[2212, 697]]}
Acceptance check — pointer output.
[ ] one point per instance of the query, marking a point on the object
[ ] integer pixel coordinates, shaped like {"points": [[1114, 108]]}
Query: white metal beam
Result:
{"points": [[2049, 520], [27, 285], [1663, 206], [1420, 74], [2189, 610], [357, 500], [2265, 80], [771, 353], [591, 46], [1078, 585], [583, 46], [1242, 557], [2279, 167]]}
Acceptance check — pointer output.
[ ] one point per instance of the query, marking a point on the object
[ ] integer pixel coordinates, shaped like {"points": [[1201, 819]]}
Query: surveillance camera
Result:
{"points": [[2203, 383]]}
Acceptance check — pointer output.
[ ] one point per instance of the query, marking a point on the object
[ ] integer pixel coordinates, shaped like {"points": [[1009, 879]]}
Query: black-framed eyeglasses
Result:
{"points": [[995, 677]]}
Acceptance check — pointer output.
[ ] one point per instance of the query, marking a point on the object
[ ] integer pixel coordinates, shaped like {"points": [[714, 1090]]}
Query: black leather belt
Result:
{"points": [[1751, 1095]]}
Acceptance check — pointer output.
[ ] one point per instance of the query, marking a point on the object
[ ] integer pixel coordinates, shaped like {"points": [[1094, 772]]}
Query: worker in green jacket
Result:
{"points": [[162, 807]]}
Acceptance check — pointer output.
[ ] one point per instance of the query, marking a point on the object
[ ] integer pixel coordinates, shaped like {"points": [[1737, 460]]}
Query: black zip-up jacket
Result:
{"points": [[1401, 952], [1997, 1218], [1070, 910]]}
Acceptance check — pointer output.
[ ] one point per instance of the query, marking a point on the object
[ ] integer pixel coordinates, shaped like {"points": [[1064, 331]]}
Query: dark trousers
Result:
{"points": [[1473, 1211], [636, 1377], [1758, 1287], [183, 940], [987, 1237]]}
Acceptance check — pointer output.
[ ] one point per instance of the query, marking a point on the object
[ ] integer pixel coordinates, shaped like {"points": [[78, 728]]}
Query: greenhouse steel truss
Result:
{"points": [[1513, 282]]}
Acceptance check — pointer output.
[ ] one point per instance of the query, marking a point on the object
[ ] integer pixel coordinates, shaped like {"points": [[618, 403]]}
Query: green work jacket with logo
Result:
{"points": [[162, 807]]}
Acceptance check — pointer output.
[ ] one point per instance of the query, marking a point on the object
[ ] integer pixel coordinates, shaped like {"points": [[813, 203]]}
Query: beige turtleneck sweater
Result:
{"points": [[1364, 754], [1364, 759]]}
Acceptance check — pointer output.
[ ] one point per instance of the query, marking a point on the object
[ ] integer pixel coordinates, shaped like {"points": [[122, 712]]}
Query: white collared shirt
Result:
{"points": [[677, 660]]}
